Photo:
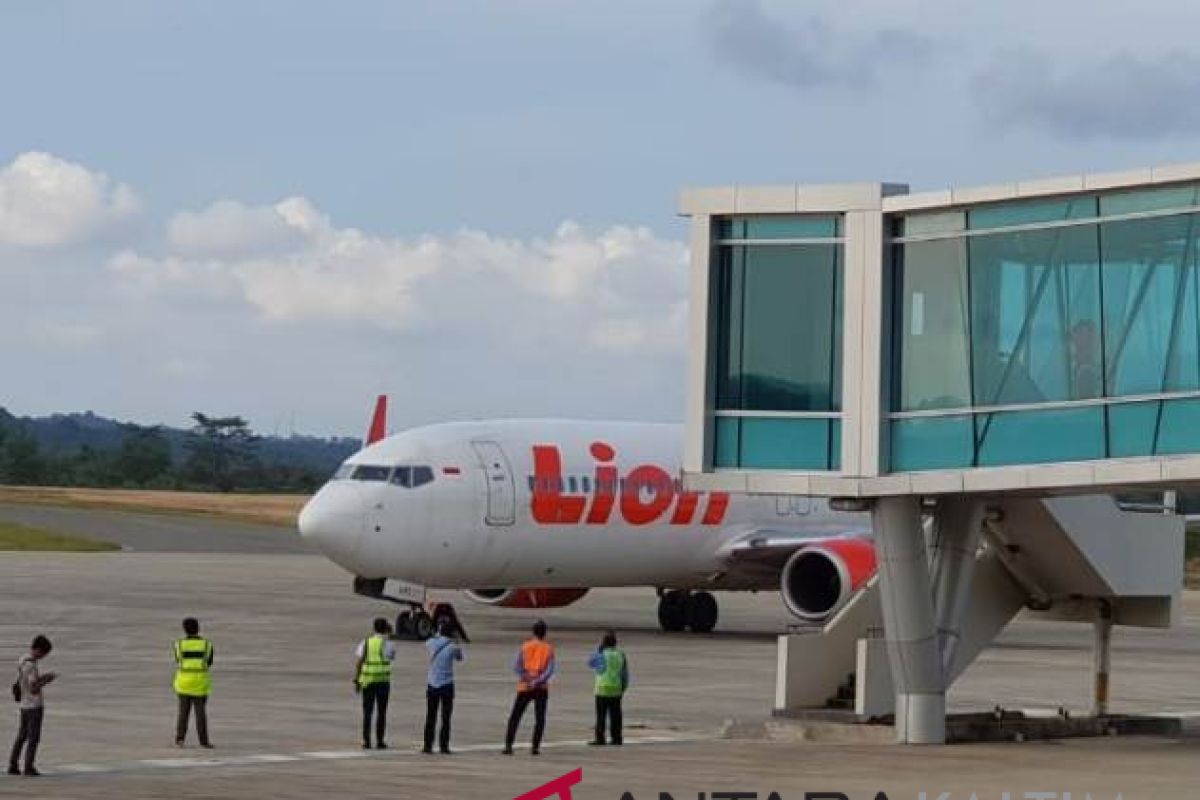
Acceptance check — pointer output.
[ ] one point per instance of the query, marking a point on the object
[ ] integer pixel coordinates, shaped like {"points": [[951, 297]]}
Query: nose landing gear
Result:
{"points": [[683, 610], [421, 624], [415, 622]]}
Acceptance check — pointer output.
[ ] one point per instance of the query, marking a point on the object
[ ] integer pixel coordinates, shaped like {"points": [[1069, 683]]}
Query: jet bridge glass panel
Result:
{"points": [[777, 288], [1046, 331]]}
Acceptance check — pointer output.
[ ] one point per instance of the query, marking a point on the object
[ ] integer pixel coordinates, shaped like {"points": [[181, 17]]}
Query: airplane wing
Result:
{"points": [[770, 548], [817, 571]]}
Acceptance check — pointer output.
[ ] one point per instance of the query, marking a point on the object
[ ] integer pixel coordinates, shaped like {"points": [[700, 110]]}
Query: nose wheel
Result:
{"points": [[414, 624], [680, 610], [417, 623]]}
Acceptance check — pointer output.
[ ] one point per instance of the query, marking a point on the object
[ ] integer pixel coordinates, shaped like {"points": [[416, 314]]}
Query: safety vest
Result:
{"points": [[608, 682], [192, 678], [375, 666], [536, 655]]}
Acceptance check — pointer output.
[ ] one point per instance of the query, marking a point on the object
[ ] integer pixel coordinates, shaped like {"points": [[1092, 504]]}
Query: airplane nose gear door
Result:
{"points": [[501, 490]]}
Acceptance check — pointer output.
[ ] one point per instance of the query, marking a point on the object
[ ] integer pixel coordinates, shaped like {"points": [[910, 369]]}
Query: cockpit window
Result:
{"points": [[367, 472], [412, 477]]}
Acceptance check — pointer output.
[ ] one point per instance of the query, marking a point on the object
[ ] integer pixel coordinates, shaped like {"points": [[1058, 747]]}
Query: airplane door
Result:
{"points": [[501, 490]]}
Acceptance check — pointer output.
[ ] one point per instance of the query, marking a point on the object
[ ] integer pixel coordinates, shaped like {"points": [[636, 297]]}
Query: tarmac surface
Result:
{"points": [[160, 533], [286, 721]]}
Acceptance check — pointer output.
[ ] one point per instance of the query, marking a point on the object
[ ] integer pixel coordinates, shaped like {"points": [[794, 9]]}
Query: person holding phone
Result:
{"points": [[439, 689], [30, 683]]}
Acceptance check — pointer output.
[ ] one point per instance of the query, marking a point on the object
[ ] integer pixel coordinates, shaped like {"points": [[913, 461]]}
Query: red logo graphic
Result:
{"points": [[642, 497], [560, 787]]}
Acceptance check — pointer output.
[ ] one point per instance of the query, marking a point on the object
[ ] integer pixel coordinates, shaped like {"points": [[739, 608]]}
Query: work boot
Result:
{"points": [[13, 769], [30, 772], [381, 746]]}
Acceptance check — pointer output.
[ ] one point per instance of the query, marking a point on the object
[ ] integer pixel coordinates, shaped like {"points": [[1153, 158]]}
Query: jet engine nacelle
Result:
{"points": [[526, 598], [820, 577]]}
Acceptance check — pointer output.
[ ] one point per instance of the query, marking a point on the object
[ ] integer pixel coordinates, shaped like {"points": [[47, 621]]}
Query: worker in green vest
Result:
{"points": [[193, 682], [612, 679], [373, 680]]}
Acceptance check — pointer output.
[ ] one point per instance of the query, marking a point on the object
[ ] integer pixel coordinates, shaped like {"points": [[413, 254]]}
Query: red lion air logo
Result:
{"points": [[643, 496], [559, 787]]}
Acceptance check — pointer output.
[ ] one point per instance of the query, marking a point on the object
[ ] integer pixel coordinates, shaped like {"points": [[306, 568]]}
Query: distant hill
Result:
{"points": [[65, 435]]}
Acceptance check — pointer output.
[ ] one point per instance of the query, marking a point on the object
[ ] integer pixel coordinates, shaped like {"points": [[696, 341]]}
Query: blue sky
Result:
{"points": [[278, 209]]}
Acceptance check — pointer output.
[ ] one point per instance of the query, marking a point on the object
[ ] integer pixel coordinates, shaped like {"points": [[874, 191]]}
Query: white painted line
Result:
{"points": [[336, 755], [81, 769], [175, 763], [269, 758]]}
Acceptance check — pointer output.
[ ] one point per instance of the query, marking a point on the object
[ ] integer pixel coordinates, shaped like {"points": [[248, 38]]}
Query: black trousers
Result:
{"points": [[610, 708], [29, 735], [440, 697], [375, 698], [539, 698], [186, 704]]}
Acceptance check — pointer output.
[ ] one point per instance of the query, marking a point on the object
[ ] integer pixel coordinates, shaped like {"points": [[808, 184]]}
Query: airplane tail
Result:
{"points": [[378, 427]]}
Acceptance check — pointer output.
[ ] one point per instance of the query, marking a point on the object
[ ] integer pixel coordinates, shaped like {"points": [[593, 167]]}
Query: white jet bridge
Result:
{"points": [[985, 369]]}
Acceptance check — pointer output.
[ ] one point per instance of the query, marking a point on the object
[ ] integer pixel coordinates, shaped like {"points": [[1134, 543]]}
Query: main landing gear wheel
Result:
{"points": [[679, 610], [701, 612], [672, 610]]}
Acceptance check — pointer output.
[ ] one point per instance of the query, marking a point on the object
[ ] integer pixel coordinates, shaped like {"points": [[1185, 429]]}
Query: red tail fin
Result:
{"points": [[378, 429]]}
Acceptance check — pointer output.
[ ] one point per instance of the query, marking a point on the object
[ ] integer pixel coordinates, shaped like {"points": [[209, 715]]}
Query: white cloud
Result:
{"points": [[238, 305], [618, 290], [46, 201], [228, 228]]}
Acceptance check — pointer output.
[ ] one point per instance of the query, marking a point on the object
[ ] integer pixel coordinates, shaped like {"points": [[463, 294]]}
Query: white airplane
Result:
{"points": [[533, 513]]}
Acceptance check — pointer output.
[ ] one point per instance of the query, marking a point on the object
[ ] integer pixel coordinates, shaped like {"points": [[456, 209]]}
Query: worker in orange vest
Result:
{"points": [[535, 666]]}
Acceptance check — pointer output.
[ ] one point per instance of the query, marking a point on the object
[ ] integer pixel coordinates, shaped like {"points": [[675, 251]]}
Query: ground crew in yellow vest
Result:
{"points": [[373, 679], [193, 681], [612, 679]]}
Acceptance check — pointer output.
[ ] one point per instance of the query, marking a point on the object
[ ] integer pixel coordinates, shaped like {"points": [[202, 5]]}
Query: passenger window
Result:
{"points": [[371, 473], [574, 487], [421, 476], [402, 476], [587, 484], [532, 483]]}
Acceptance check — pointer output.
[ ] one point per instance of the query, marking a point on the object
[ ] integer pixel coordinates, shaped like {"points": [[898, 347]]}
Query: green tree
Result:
{"points": [[220, 450], [24, 465], [145, 455]]}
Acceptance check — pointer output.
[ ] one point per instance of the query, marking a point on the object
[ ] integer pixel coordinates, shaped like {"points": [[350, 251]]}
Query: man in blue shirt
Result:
{"points": [[443, 652]]}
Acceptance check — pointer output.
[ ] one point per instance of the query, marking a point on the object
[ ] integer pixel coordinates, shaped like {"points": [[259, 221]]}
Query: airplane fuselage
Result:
{"points": [[551, 503]]}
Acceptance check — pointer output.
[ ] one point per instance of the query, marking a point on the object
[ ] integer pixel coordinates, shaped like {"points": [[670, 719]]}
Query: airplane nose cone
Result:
{"points": [[333, 521]]}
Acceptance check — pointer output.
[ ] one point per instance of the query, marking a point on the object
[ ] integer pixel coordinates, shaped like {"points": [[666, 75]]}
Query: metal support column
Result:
{"points": [[957, 525], [908, 621], [1102, 657]]}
